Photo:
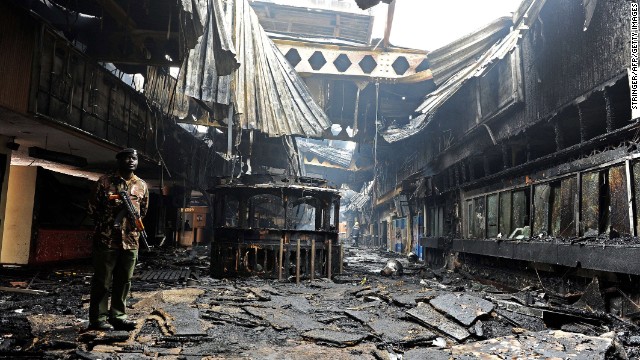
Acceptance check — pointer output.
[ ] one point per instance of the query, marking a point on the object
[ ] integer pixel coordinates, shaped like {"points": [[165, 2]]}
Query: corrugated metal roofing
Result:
{"points": [[359, 200], [453, 57], [332, 154], [527, 12], [267, 94], [205, 72]]}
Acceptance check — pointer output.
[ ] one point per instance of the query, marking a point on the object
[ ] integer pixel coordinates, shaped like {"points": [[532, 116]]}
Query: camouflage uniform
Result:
{"points": [[115, 246]]}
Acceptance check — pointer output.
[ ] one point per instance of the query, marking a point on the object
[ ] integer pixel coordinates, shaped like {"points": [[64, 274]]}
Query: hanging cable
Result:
{"points": [[375, 154]]}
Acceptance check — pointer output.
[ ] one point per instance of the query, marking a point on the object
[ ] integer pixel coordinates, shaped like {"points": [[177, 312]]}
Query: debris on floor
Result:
{"points": [[420, 313]]}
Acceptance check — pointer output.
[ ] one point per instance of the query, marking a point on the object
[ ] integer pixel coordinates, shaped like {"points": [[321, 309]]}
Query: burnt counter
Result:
{"points": [[275, 226]]}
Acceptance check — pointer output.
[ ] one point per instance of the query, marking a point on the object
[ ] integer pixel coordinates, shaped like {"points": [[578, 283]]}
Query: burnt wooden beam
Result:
{"points": [[559, 138], [608, 109], [472, 171], [463, 168], [583, 124], [505, 156]]}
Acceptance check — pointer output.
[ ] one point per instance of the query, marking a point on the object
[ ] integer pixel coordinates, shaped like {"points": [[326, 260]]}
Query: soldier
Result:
{"points": [[115, 245], [355, 234]]}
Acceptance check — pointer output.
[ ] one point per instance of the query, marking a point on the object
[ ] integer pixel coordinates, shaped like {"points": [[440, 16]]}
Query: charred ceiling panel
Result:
{"points": [[498, 81], [359, 200], [333, 155], [451, 58], [203, 74]]}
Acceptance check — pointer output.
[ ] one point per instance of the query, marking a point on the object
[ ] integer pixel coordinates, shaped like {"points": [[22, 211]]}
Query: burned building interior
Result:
{"points": [[316, 191]]}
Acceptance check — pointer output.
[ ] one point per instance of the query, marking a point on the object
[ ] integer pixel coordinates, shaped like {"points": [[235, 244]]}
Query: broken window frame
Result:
{"points": [[567, 209]]}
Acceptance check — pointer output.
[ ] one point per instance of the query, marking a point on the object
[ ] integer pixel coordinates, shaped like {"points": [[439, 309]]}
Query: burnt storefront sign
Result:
{"points": [[275, 227]]}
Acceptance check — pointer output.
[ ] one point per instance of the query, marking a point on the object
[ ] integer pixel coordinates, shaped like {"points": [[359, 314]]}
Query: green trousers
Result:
{"points": [[113, 269]]}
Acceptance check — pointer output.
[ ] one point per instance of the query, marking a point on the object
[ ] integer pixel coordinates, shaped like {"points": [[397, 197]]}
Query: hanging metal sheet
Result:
{"points": [[268, 95], [204, 74]]}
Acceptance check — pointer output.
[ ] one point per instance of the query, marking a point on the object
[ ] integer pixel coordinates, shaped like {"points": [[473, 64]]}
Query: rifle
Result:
{"points": [[133, 216]]}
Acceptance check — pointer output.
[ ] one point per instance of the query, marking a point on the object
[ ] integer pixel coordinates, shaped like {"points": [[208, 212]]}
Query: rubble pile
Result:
{"points": [[419, 313]]}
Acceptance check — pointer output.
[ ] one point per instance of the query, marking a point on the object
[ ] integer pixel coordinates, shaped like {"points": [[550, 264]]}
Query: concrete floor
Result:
{"points": [[421, 314]]}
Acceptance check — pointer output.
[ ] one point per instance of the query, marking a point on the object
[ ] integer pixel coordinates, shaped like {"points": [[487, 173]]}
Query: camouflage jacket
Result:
{"points": [[113, 227]]}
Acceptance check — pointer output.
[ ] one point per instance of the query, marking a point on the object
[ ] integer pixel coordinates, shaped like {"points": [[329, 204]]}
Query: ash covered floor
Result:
{"points": [[423, 313]]}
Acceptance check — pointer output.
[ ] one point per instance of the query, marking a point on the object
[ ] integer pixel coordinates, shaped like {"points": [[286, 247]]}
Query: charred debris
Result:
{"points": [[495, 181], [524, 164], [183, 313]]}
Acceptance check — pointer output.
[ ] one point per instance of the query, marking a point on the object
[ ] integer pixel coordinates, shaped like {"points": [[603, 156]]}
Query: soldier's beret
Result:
{"points": [[126, 151]]}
